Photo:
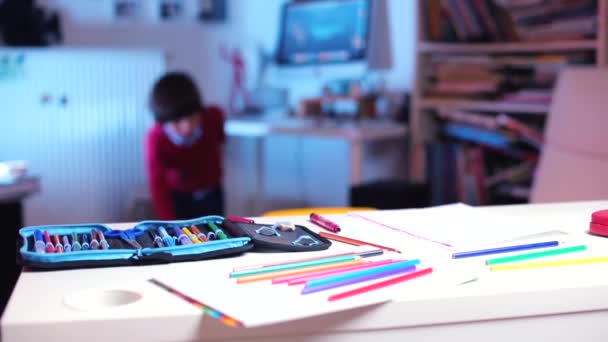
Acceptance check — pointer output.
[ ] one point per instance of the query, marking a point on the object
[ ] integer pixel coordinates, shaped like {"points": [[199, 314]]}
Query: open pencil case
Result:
{"points": [[153, 242]]}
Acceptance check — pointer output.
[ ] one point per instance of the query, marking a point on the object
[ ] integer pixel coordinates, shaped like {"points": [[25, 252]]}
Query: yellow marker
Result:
{"points": [[579, 261], [190, 235]]}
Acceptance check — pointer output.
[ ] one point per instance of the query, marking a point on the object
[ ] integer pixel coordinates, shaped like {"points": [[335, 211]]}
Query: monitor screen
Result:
{"points": [[323, 31]]}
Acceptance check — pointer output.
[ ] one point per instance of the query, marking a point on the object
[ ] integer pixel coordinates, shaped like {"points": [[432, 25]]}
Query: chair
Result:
{"points": [[320, 211], [573, 165]]}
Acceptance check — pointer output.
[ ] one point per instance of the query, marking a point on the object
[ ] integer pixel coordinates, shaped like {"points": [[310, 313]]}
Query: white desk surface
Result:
{"points": [[355, 131], [555, 304]]}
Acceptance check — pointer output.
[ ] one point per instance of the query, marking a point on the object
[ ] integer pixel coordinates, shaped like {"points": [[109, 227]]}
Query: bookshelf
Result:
{"points": [[510, 53]]}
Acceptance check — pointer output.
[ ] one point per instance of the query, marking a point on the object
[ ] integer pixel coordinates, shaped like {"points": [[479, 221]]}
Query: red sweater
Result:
{"points": [[184, 168]]}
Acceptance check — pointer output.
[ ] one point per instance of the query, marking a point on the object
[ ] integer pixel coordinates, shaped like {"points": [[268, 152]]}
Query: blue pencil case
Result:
{"points": [[153, 242]]}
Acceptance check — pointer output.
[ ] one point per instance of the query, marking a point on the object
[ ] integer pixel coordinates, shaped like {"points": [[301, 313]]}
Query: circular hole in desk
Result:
{"points": [[97, 299]]}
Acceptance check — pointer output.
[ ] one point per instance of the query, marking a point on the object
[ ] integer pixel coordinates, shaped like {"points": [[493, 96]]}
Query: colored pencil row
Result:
{"points": [[518, 261], [334, 271]]}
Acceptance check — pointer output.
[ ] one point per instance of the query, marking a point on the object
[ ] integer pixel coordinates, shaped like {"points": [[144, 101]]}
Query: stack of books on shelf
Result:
{"points": [[508, 78], [510, 20], [483, 158]]}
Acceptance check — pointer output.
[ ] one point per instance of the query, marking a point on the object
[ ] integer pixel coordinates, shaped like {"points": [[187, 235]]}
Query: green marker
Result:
{"points": [[218, 232], [535, 255]]}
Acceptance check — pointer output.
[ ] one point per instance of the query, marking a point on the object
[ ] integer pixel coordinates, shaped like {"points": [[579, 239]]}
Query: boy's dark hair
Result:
{"points": [[174, 96]]}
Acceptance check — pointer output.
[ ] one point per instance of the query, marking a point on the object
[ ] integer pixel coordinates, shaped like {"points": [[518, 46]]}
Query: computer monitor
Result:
{"points": [[323, 31]]}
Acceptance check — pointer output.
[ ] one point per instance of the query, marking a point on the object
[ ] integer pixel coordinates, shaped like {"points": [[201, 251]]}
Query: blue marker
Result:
{"points": [[66, 244], [85, 242], [39, 245], [167, 239], [183, 238], [75, 244]]}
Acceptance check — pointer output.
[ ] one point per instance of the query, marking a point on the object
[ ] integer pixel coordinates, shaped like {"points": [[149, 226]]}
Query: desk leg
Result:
{"points": [[11, 216], [260, 186], [356, 159]]}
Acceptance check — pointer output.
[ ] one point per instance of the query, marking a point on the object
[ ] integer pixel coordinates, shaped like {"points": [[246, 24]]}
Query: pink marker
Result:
{"points": [[324, 223]]}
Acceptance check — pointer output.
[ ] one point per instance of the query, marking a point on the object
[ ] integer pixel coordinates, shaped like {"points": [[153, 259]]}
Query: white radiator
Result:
{"points": [[79, 117]]}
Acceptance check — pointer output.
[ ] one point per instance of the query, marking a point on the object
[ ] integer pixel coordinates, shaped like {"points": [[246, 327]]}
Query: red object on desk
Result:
{"points": [[324, 223], [599, 223]]}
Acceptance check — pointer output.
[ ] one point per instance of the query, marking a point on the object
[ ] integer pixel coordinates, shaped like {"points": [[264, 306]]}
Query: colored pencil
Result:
{"points": [[355, 242], [578, 261], [365, 254], [296, 271], [315, 262], [504, 249], [535, 255], [392, 266], [356, 280], [297, 280], [379, 285]]}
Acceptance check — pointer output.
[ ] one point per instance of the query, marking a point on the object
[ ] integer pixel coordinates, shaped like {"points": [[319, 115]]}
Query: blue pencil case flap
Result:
{"points": [[148, 242]]}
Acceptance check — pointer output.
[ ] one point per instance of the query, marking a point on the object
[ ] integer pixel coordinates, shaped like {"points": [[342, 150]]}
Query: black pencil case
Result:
{"points": [[97, 245]]}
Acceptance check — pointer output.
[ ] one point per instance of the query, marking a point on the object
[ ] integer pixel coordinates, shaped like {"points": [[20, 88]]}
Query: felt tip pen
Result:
{"points": [[102, 240], [167, 239], [220, 234], [94, 242], [181, 237], [50, 248], [66, 244], [58, 245], [239, 219], [157, 239], [39, 244], [85, 242], [198, 233], [192, 237], [75, 244], [324, 223]]}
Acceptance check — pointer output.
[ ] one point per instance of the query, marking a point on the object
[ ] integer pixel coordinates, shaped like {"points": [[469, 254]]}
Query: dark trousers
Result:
{"points": [[192, 205]]}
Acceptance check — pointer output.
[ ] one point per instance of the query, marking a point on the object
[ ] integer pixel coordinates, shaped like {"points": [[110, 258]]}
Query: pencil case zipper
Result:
{"points": [[197, 247]]}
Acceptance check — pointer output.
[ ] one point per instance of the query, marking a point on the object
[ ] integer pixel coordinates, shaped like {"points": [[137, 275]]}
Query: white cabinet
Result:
{"points": [[79, 117]]}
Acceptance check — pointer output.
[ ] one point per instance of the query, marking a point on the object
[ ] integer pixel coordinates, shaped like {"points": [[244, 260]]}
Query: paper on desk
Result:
{"points": [[450, 226], [262, 303]]}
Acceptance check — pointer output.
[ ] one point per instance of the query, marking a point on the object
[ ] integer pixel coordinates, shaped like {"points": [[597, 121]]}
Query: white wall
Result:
{"points": [[193, 46]]}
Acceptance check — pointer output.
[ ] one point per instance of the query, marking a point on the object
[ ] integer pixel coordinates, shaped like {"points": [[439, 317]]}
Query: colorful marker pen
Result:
{"points": [[192, 237], [75, 244], [58, 245], [198, 233], [85, 242], [181, 237], [102, 240], [94, 242], [157, 240], [49, 245], [324, 223], [220, 234], [39, 244], [167, 239], [66, 244]]}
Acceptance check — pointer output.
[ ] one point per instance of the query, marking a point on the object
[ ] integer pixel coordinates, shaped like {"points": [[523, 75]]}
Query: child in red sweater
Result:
{"points": [[184, 151]]}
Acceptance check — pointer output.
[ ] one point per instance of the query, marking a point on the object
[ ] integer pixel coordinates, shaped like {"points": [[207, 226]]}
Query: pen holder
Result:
{"points": [[152, 242]]}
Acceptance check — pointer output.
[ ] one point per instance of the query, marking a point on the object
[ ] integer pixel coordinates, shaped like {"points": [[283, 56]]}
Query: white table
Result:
{"points": [[505, 306]]}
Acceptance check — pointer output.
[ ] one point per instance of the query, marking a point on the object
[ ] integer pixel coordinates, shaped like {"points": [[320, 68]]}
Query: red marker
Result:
{"points": [[58, 245], [324, 223], [47, 240]]}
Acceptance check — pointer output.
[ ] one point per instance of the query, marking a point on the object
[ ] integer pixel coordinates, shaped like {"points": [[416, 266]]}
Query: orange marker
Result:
{"points": [[198, 233], [58, 245]]}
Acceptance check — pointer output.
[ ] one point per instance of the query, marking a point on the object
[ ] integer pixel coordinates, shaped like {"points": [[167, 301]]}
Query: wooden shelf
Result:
{"points": [[538, 47], [486, 106]]}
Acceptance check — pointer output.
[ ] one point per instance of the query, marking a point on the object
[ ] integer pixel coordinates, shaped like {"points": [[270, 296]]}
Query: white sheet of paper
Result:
{"points": [[451, 226], [262, 303]]}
